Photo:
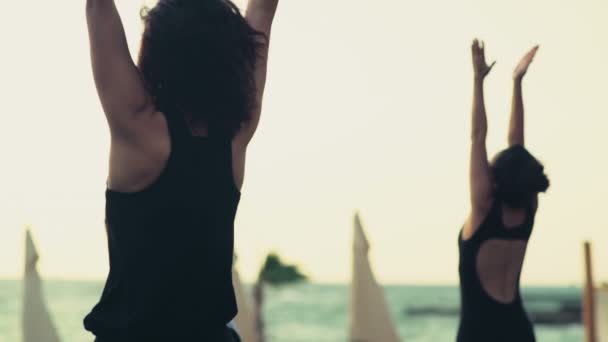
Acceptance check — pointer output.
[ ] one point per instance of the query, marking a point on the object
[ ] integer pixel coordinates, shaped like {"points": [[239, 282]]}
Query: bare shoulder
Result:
{"points": [[474, 220]]}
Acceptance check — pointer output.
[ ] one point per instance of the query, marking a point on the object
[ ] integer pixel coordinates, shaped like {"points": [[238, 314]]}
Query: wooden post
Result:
{"points": [[589, 298]]}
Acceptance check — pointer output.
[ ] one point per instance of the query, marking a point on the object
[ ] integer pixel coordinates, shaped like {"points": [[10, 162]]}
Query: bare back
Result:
{"points": [[499, 262], [500, 258]]}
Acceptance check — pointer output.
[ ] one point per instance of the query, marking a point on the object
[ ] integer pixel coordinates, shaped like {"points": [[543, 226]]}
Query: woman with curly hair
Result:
{"points": [[180, 122], [493, 241]]}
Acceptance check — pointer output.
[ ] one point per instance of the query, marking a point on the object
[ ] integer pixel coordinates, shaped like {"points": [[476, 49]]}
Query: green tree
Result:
{"points": [[275, 272]]}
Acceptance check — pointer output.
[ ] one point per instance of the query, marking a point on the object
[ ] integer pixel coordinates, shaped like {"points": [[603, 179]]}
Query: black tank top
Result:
{"points": [[171, 248], [483, 318]]}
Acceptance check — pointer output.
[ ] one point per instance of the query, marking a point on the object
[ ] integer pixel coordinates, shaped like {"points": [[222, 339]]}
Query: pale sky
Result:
{"points": [[367, 108]]}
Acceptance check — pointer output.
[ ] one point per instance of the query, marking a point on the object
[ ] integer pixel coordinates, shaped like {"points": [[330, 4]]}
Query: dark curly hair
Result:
{"points": [[518, 176], [197, 59]]}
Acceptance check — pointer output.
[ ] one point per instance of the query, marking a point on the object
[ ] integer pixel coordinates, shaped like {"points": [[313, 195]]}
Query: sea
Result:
{"points": [[298, 313]]}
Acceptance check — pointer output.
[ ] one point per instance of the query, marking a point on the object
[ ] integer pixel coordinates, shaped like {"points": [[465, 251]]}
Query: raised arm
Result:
{"points": [[479, 172], [119, 84], [516, 126], [260, 15]]}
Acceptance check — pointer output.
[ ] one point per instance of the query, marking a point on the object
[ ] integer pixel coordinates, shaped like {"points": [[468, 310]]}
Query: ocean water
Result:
{"points": [[300, 313]]}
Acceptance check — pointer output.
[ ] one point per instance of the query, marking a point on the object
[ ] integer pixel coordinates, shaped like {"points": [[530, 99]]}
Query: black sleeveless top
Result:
{"points": [[483, 318], [171, 248]]}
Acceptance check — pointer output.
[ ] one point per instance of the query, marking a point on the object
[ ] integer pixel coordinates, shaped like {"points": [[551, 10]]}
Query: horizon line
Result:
{"points": [[318, 282]]}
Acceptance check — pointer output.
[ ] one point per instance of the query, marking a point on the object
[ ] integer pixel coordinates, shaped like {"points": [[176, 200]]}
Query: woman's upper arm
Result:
{"points": [[480, 177], [481, 188], [481, 185], [119, 84], [260, 15]]}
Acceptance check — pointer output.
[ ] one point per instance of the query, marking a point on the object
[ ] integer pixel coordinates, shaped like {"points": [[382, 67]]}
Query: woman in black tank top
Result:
{"points": [[180, 122], [494, 238]]}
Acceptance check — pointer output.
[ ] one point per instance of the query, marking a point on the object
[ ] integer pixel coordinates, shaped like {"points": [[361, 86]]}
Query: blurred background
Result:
{"points": [[367, 108]]}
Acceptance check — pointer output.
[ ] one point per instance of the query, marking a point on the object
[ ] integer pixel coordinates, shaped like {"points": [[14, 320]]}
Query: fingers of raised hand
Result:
{"points": [[532, 53], [477, 46], [534, 49], [529, 56]]}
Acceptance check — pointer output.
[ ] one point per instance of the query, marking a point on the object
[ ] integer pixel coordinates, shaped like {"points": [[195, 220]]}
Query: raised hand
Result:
{"points": [[481, 68], [522, 67]]}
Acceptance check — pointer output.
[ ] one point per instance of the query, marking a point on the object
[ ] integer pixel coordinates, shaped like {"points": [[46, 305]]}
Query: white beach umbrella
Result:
{"points": [[245, 320], [601, 314], [36, 322], [370, 320]]}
